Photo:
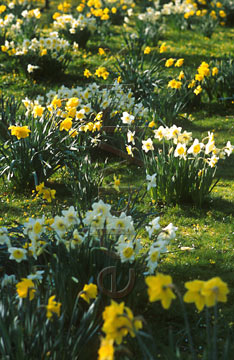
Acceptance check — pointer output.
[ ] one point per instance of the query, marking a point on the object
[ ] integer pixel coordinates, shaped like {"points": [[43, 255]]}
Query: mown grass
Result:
{"points": [[207, 232]]}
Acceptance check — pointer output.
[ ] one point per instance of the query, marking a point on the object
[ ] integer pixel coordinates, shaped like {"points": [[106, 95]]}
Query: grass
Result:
{"points": [[207, 232]]}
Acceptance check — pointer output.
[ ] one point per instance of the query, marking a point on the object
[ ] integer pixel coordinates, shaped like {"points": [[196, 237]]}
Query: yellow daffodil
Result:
{"points": [[20, 132], [89, 292], [179, 62], [53, 307], [163, 48], [174, 84], [119, 321], [147, 50], [160, 288], [66, 124], [169, 62], [198, 90], [194, 293], [87, 73], [214, 290], [26, 288], [106, 350]]}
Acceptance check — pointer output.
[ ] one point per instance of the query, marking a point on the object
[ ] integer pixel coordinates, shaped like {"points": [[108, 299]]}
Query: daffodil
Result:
{"points": [[89, 292], [169, 62], [20, 132], [17, 254], [25, 288], [147, 145], [106, 349], [147, 50], [194, 293], [179, 62], [214, 290], [160, 288], [53, 307]]}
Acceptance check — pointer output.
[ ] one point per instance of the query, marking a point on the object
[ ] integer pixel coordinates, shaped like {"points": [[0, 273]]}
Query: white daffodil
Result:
{"points": [[184, 138], [180, 151], [229, 148], [213, 161], [77, 239], [210, 146], [122, 225], [34, 228], [173, 132], [8, 280], [37, 275], [160, 133], [152, 259], [126, 251], [127, 118], [95, 220], [70, 216], [195, 148], [60, 225], [154, 254], [101, 209], [31, 68], [154, 226], [168, 233], [147, 145], [17, 254], [130, 136], [151, 181]]}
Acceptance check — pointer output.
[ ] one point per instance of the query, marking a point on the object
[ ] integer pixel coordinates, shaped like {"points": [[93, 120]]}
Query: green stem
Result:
{"points": [[215, 329], [190, 340], [208, 331]]}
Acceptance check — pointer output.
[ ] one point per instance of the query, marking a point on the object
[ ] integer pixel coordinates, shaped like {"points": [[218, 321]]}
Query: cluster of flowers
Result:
{"points": [[214, 10], [23, 4], [26, 288], [52, 46], [14, 26], [176, 7], [151, 15], [188, 148], [70, 23], [202, 293], [203, 72], [46, 192], [119, 321], [152, 24], [66, 111], [188, 9], [104, 10], [101, 71], [69, 230], [97, 99]]}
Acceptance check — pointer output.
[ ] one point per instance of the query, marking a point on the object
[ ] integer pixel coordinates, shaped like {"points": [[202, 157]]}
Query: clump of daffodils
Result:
{"points": [[184, 168], [40, 51], [114, 233], [72, 24], [88, 109], [114, 98], [184, 146], [119, 321]]}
